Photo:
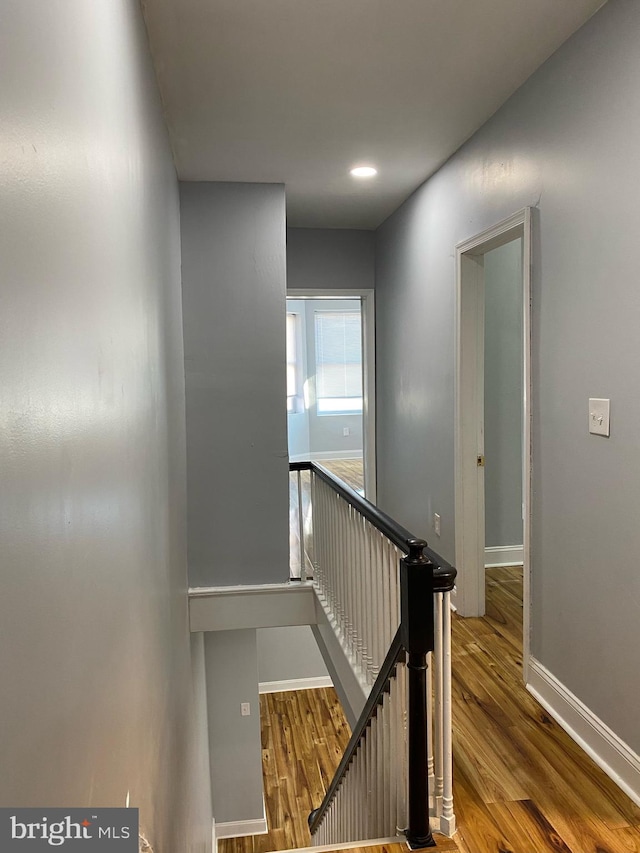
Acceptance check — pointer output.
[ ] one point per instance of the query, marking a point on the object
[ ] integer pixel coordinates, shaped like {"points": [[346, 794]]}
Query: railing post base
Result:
{"points": [[421, 841]]}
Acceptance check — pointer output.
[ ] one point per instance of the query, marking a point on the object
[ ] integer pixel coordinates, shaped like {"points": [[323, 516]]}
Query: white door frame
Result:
{"points": [[367, 297], [469, 415]]}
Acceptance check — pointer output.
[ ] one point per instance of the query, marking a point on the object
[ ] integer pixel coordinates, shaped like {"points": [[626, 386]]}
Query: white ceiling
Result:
{"points": [[299, 91]]}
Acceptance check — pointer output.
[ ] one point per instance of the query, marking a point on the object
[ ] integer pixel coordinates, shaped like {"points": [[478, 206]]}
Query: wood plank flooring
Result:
{"points": [[349, 470], [304, 734], [521, 785]]}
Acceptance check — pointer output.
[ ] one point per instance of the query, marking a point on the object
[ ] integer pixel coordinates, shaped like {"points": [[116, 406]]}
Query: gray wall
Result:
{"points": [[97, 696], [233, 283], [565, 143], [234, 741], [288, 653], [330, 258], [503, 394]]}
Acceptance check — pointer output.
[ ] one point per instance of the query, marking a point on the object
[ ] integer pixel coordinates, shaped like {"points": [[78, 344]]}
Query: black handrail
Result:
{"points": [[444, 574], [422, 573], [380, 686]]}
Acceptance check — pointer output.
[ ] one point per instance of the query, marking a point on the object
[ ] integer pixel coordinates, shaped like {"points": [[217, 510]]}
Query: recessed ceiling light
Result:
{"points": [[364, 172]]}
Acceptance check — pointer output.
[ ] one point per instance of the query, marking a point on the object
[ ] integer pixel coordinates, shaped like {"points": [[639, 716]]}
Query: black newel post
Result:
{"points": [[416, 598]]}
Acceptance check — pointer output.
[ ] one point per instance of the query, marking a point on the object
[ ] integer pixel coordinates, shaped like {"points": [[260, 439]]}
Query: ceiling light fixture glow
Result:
{"points": [[364, 172]]}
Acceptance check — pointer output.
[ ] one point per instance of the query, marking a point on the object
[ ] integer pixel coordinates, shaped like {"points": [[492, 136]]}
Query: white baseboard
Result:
{"points": [[319, 455], [335, 454], [238, 828], [503, 555], [295, 684], [609, 752]]}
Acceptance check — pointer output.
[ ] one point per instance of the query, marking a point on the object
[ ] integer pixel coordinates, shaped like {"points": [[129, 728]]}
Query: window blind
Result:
{"points": [[338, 361]]}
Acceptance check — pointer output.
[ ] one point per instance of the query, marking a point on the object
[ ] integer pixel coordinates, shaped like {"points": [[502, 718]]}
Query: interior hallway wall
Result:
{"points": [[330, 259], [234, 740], [290, 653], [97, 689], [233, 284], [566, 144]]}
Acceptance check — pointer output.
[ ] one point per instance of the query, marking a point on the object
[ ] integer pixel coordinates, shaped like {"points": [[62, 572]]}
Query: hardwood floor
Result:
{"points": [[304, 734], [349, 470], [521, 785]]}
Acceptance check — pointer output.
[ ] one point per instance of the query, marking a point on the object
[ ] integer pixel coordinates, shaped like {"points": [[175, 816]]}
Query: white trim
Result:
{"points": [[610, 752], [335, 454], [527, 444], [349, 845], [312, 683], [238, 828], [469, 479], [369, 393], [503, 555], [327, 293], [348, 680], [227, 608]]}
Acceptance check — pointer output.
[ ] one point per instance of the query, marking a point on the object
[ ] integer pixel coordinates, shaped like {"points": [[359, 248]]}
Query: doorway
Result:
{"points": [[493, 411], [330, 383]]}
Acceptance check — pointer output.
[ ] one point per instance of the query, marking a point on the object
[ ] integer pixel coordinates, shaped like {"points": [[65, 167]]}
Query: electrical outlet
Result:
{"points": [[436, 523], [245, 709], [346, 431]]}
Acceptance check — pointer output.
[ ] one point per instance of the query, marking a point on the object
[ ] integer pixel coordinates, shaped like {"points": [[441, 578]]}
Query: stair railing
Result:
{"points": [[387, 595]]}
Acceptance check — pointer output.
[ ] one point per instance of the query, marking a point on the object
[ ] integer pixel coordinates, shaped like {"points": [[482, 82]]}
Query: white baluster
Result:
{"points": [[370, 598], [303, 572], [359, 600], [351, 586], [379, 605], [375, 736], [430, 765], [386, 763], [447, 821], [438, 746]]}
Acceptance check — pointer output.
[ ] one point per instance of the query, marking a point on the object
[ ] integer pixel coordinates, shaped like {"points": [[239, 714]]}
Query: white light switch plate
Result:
{"points": [[599, 416]]}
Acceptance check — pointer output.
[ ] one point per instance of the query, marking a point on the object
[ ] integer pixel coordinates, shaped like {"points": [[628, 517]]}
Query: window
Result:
{"points": [[338, 362], [293, 366]]}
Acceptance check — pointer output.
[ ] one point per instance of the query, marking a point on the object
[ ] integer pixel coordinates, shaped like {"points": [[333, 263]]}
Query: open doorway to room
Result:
{"points": [[493, 455], [324, 385], [330, 396]]}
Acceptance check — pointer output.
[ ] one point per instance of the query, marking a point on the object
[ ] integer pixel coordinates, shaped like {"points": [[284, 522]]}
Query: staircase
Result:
{"points": [[386, 596]]}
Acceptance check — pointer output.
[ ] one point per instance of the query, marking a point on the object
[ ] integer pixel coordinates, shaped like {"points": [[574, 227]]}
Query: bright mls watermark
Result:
{"points": [[79, 830]]}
